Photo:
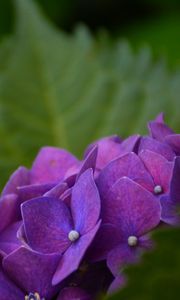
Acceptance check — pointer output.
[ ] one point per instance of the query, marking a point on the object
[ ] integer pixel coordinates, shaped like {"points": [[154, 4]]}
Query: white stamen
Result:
{"points": [[132, 240], [158, 189], [73, 235]]}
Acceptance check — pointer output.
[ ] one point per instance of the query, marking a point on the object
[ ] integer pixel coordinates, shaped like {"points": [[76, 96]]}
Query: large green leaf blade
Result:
{"points": [[67, 90]]}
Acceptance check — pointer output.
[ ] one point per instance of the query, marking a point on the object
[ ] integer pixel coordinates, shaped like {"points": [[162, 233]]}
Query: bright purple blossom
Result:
{"points": [[69, 227]]}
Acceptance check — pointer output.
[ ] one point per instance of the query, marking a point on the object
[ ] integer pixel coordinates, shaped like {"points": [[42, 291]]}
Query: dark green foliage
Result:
{"points": [[158, 276], [67, 90]]}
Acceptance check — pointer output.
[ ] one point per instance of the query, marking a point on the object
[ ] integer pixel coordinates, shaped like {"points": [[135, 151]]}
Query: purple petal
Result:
{"points": [[89, 161], [129, 165], [159, 130], [8, 210], [51, 165], [8, 290], [74, 254], [73, 293], [8, 238], [146, 243], [163, 149], [173, 141], [31, 191], [57, 191], [169, 214], [66, 197], [32, 271], [72, 173], [107, 238], [131, 208], [70, 180], [175, 186], [108, 149], [118, 283], [121, 256], [47, 224], [7, 248], [18, 178], [160, 118], [159, 167], [21, 235], [129, 145], [85, 203]]}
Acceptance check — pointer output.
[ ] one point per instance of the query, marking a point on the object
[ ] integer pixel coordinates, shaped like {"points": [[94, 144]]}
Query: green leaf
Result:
{"points": [[67, 90], [162, 33], [158, 276]]}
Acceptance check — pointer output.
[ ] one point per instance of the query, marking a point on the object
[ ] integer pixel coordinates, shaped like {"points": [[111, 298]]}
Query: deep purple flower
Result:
{"points": [[31, 273], [69, 227], [51, 227], [170, 203], [129, 213], [161, 132], [110, 148]]}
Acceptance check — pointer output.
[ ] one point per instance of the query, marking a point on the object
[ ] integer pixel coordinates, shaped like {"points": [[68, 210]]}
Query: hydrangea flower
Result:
{"points": [[68, 228]]}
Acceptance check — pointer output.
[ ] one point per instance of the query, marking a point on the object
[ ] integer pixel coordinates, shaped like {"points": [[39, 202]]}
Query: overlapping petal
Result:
{"points": [[51, 164], [153, 145], [159, 168], [8, 290], [33, 271], [85, 203], [108, 149], [130, 207], [18, 178], [129, 165], [47, 223], [72, 257]]}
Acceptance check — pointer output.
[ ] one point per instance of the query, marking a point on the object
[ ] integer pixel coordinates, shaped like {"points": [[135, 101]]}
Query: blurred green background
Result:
{"points": [[152, 22], [66, 85]]}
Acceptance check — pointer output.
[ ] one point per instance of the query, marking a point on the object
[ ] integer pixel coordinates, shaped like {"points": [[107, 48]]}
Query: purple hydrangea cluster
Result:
{"points": [[68, 228]]}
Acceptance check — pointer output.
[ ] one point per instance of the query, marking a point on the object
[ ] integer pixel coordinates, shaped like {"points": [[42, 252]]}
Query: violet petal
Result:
{"points": [[159, 130], [159, 167], [89, 161], [47, 224], [107, 238], [173, 141], [169, 213], [18, 178], [131, 208], [32, 270], [51, 164], [72, 257], [57, 190], [8, 210], [129, 165], [163, 149], [85, 203], [121, 256], [28, 192], [108, 149], [8, 290], [118, 283]]}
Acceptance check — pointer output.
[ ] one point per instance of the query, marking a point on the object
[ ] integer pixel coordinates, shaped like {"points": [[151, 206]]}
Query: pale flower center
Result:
{"points": [[132, 241], [33, 296], [158, 189], [73, 235]]}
